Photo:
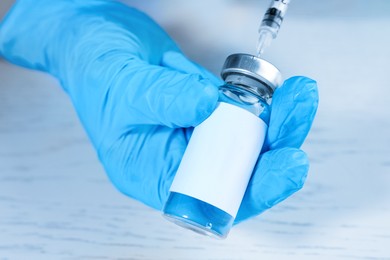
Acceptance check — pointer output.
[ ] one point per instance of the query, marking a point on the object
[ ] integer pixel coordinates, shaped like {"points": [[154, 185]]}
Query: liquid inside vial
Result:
{"points": [[198, 216]]}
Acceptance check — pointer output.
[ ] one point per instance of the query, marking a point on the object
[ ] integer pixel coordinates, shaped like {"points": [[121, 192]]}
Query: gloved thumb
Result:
{"points": [[278, 174]]}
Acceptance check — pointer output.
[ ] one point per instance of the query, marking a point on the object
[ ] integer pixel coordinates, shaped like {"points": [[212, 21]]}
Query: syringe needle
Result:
{"points": [[265, 38]]}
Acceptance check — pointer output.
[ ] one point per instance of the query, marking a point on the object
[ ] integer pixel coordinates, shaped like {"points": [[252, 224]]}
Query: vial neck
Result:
{"points": [[242, 97], [244, 94], [249, 84]]}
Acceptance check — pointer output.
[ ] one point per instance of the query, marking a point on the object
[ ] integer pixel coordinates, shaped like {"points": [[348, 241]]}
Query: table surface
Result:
{"points": [[57, 203]]}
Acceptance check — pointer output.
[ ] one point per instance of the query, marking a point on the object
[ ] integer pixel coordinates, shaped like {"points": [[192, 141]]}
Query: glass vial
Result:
{"points": [[211, 180]]}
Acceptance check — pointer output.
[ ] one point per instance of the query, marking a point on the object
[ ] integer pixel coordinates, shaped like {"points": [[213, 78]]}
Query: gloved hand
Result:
{"points": [[138, 97]]}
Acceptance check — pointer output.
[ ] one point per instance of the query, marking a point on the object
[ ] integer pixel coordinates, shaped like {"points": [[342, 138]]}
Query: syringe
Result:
{"points": [[271, 23]]}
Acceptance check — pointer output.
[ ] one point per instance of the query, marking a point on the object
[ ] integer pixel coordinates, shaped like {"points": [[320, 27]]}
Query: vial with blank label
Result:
{"points": [[215, 170]]}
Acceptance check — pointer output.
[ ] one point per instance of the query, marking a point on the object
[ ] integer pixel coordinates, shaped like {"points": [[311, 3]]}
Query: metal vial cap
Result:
{"points": [[251, 72]]}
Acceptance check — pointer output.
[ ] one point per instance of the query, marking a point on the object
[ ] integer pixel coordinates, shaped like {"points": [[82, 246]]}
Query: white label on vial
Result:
{"points": [[220, 157]]}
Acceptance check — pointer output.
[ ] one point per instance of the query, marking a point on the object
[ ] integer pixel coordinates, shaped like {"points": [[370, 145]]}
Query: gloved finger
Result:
{"points": [[143, 162], [293, 108], [166, 97], [278, 174], [177, 61]]}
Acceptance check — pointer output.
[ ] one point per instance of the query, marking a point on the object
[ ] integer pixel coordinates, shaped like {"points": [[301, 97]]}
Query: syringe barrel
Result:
{"points": [[273, 18]]}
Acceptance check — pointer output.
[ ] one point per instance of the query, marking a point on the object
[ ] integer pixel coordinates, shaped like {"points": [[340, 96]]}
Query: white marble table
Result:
{"points": [[57, 203]]}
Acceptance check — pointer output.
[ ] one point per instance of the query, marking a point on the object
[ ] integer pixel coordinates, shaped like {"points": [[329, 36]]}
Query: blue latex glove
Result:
{"points": [[138, 97]]}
